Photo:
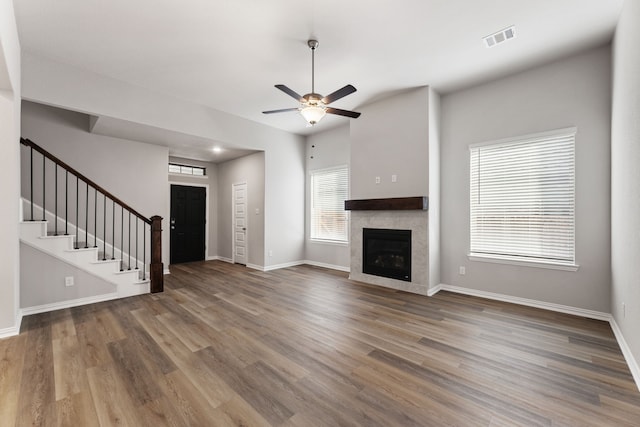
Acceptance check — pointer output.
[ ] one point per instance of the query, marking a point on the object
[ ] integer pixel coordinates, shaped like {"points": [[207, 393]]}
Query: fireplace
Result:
{"points": [[387, 253]]}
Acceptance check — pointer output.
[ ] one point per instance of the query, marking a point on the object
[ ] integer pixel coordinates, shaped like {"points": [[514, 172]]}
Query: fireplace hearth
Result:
{"points": [[387, 253]]}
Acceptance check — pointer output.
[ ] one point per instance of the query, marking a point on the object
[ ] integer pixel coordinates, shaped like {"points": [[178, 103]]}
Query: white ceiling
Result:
{"points": [[228, 54]]}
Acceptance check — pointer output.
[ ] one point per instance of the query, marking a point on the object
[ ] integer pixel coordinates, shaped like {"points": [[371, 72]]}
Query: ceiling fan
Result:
{"points": [[314, 106]]}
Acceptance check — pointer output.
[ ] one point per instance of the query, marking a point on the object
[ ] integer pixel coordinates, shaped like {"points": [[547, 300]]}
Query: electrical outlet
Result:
{"points": [[68, 281], [394, 178], [377, 180], [462, 270], [270, 253]]}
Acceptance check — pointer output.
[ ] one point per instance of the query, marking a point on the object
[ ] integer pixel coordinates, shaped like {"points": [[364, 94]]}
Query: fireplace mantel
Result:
{"points": [[389, 204]]}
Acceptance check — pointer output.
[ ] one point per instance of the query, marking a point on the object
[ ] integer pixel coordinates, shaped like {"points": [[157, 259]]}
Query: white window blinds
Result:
{"points": [[522, 198], [329, 190]]}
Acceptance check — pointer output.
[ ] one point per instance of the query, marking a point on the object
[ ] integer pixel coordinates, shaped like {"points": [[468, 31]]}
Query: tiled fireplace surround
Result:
{"points": [[414, 220]]}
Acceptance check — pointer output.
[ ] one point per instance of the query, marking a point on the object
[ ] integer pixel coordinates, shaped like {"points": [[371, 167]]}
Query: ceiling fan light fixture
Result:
{"points": [[313, 114]]}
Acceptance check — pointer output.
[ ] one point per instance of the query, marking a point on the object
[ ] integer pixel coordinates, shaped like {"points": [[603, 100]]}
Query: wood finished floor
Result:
{"points": [[229, 346]]}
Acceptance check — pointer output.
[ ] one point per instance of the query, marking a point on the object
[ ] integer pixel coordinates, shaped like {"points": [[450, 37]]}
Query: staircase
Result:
{"points": [[68, 216], [128, 281]]}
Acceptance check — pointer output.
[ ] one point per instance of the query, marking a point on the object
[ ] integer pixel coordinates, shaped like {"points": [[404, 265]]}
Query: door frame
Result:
{"points": [[233, 223], [206, 214]]}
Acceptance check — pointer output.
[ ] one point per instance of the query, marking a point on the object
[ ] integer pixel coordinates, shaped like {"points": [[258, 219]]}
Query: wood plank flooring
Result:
{"points": [[304, 346]]}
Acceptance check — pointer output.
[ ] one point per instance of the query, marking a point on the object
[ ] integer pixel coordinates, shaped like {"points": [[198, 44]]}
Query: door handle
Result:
{"points": [[244, 228]]}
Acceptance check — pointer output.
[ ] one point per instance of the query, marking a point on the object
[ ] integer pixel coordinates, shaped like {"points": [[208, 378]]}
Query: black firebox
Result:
{"points": [[387, 253]]}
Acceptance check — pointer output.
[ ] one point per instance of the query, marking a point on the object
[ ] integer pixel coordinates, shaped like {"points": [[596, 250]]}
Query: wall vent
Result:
{"points": [[500, 37]]}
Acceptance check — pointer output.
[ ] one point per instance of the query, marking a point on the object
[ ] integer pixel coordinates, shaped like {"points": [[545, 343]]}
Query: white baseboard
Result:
{"points": [[12, 330], [576, 311], [626, 351], [331, 266], [68, 304], [9, 332], [166, 271], [432, 291], [278, 266]]}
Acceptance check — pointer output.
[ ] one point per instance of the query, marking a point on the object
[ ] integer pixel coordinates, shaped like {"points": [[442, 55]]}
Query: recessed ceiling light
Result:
{"points": [[217, 149], [500, 36]]}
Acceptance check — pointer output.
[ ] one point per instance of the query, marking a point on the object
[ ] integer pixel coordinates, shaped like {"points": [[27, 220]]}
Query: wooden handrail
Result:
{"points": [[36, 147]]}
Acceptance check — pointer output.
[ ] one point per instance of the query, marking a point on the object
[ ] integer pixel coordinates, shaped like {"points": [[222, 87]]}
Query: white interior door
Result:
{"points": [[240, 223]]}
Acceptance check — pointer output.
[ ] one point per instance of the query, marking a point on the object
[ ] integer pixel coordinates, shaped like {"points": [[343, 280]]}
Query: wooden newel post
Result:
{"points": [[156, 269]]}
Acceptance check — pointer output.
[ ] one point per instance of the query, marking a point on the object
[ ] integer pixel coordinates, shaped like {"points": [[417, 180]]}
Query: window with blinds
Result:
{"points": [[329, 190], [523, 198]]}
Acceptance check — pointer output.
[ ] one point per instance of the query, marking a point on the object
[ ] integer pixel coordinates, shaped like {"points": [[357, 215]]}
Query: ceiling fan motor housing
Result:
{"points": [[313, 99]]}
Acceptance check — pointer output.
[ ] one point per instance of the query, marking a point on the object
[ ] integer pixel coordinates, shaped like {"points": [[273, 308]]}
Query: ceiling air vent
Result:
{"points": [[500, 37]]}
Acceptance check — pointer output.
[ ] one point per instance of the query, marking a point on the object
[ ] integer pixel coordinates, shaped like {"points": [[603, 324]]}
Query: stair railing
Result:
{"points": [[138, 242]]}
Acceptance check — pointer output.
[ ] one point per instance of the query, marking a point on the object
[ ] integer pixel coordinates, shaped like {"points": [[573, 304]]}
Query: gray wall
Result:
{"points": [[46, 284], [391, 137], [571, 92], [325, 150], [249, 169], [133, 171], [284, 204], [211, 180], [625, 177], [10, 172]]}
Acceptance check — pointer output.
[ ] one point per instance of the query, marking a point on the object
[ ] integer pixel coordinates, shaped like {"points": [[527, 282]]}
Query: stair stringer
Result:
{"points": [[72, 230], [128, 283]]}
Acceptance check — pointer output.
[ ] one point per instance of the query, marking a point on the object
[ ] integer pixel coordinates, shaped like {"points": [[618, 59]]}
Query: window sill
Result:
{"points": [[516, 261], [184, 175], [329, 242]]}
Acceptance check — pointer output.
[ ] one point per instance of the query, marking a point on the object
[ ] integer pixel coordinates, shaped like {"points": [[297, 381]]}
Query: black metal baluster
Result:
{"points": [[121, 237], [95, 217], [137, 221], [104, 228], [144, 251], [31, 182], [66, 202], [113, 229], [55, 208], [44, 188], [77, 214], [129, 250], [86, 217]]}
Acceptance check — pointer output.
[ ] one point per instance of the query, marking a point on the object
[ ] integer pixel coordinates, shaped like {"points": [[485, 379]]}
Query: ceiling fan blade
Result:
{"points": [[346, 113], [290, 92], [340, 93], [282, 110]]}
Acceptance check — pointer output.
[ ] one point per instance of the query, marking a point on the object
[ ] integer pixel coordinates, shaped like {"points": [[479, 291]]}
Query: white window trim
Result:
{"points": [[497, 259], [184, 175], [204, 169], [527, 138], [329, 241], [515, 260]]}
